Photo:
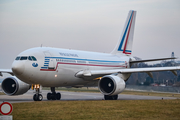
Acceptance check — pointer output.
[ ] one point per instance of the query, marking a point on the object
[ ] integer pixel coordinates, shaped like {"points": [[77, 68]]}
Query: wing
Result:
{"points": [[6, 71], [89, 73], [150, 60]]}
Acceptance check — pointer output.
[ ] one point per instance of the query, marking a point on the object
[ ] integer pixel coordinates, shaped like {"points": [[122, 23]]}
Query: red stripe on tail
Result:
{"points": [[124, 51]]}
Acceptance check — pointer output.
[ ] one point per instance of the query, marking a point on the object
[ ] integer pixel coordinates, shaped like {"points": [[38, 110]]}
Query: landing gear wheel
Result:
{"points": [[40, 97], [114, 97], [53, 95], [58, 96], [37, 97], [107, 97], [49, 96]]}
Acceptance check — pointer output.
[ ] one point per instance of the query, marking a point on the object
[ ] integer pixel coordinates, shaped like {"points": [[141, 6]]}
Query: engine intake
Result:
{"points": [[111, 85], [14, 86]]}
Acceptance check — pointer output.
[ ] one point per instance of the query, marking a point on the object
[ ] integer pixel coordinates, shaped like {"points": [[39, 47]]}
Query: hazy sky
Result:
{"points": [[90, 25]]}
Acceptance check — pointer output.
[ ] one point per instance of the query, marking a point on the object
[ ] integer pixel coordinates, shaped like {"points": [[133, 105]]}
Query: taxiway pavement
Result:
{"points": [[70, 96]]}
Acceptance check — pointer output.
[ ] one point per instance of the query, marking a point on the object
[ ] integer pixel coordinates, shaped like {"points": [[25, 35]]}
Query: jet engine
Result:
{"points": [[13, 86], [111, 85]]}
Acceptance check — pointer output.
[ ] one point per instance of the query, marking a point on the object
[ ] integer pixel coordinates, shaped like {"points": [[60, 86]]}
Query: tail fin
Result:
{"points": [[126, 40]]}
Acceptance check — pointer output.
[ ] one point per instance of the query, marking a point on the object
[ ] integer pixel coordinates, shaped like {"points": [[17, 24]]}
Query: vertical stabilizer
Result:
{"points": [[125, 42]]}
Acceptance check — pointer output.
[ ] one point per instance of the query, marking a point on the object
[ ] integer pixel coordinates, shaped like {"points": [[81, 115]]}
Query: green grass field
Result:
{"points": [[98, 110]]}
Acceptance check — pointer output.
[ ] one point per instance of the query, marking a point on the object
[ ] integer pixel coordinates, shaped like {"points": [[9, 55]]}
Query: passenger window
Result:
{"points": [[34, 59], [29, 58], [17, 58], [23, 58]]}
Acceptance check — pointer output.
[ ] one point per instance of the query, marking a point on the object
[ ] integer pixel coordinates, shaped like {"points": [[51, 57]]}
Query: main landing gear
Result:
{"points": [[107, 97], [37, 96], [53, 95]]}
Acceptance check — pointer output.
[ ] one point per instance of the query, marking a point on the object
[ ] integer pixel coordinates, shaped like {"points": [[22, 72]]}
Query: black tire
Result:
{"points": [[58, 96], [38, 97], [107, 97], [49, 96], [53, 96], [114, 97], [35, 97]]}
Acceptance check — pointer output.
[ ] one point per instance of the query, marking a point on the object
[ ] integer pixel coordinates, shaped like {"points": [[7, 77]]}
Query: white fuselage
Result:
{"points": [[58, 67]]}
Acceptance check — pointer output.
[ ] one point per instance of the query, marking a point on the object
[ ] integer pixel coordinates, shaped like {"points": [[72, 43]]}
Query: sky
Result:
{"points": [[89, 25]]}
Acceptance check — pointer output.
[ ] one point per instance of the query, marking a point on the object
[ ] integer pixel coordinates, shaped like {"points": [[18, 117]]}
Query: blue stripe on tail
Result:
{"points": [[122, 41]]}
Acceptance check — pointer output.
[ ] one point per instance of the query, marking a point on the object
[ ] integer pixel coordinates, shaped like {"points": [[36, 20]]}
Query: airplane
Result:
{"points": [[54, 67]]}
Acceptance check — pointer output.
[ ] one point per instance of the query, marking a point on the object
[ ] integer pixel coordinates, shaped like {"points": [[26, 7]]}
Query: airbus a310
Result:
{"points": [[55, 67]]}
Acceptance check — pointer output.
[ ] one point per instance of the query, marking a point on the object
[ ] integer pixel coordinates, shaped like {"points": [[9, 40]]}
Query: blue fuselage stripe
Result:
{"points": [[85, 59], [44, 67]]}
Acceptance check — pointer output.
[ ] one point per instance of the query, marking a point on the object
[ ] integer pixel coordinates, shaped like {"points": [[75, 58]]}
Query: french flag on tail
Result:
{"points": [[125, 42]]}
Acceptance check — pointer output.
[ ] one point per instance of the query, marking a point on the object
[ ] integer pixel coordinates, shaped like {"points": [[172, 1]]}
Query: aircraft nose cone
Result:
{"points": [[18, 67]]}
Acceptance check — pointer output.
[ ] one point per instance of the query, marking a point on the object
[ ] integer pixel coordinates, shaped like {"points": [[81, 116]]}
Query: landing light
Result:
{"points": [[97, 78], [55, 76], [36, 86]]}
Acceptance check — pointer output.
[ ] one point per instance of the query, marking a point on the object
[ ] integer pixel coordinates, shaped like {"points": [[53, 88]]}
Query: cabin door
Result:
{"points": [[49, 61]]}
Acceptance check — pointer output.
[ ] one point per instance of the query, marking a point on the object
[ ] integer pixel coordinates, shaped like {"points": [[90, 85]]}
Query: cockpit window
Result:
{"points": [[31, 58], [17, 58], [34, 59], [23, 58]]}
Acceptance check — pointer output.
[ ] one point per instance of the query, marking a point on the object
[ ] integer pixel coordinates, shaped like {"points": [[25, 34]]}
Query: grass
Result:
{"points": [[151, 93], [98, 110], [101, 109]]}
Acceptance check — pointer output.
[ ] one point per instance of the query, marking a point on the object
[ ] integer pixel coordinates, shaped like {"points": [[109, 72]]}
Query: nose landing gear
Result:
{"points": [[37, 96], [53, 95]]}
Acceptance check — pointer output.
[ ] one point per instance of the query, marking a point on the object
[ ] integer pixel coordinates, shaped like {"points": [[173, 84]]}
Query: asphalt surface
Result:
{"points": [[75, 96]]}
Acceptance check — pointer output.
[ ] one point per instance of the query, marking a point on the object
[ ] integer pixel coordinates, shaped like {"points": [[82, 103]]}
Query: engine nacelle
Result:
{"points": [[14, 86], [111, 85]]}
